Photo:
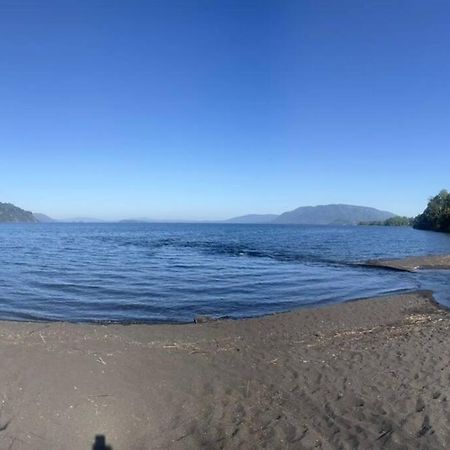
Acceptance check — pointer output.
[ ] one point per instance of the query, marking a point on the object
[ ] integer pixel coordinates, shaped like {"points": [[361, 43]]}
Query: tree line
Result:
{"points": [[436, 216], [396, 221]]}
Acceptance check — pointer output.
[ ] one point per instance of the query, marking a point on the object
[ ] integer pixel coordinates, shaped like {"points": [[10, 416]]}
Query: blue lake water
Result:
{"points": [[173, 272]]}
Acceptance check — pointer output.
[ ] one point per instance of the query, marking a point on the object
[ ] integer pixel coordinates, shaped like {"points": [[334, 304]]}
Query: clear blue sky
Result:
{"points": [[198, 109]]}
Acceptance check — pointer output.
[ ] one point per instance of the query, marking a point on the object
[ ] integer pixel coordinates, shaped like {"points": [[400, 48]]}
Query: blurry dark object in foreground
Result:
{"points": [[100, 443]]}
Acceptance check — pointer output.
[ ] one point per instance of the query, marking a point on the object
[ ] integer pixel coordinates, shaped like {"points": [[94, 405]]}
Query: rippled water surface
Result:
{"points": [[173, 272]]}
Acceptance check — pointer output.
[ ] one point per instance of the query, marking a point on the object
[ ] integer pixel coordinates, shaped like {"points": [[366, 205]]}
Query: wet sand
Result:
{"points": [[364, 374], [413, 263]]}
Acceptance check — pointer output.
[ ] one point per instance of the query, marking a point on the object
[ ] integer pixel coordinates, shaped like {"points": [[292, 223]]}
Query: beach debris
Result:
{"points": [[174, 345], [204, 319], [419, 318], [384, 433], [101, 360]]}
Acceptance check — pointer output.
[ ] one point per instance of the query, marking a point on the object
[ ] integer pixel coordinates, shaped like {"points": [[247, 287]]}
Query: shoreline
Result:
{"points": [[408, 264], [370, 372], [204, 319], [412, 263]]}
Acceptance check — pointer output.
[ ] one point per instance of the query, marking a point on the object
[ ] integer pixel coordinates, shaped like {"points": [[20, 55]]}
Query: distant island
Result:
{"points": [[253, 218], [320, 215]]}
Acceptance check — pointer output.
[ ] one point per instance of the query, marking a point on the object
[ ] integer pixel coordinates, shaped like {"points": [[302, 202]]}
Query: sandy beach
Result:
{"points": [[224, 225], [364, 374]]}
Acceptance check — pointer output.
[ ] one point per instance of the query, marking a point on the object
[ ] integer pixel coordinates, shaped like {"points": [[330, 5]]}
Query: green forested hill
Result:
{"points": [[12, 214]]}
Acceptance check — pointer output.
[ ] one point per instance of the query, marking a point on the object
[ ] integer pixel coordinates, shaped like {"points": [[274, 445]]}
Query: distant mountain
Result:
{"points": [[12, 214], [42, 218], [135, 221], [253, 218], [332, 215], [82, 220], [307, 215]]}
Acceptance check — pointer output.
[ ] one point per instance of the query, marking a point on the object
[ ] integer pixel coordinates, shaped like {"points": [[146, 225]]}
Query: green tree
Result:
{"points": [[436, 216]]}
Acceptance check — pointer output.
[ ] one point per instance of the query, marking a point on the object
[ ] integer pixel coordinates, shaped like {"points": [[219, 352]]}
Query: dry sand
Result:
{"points": [[365, 374]]}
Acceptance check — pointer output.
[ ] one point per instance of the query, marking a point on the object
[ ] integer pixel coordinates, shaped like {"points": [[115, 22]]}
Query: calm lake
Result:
{"points": [[173, 272]]}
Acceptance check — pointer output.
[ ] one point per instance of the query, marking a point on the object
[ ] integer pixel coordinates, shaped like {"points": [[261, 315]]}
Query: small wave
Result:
{"points": [[150, 274]]}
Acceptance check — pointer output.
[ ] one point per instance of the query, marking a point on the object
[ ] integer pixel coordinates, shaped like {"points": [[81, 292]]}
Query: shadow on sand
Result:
{"points": [[100, 443]]}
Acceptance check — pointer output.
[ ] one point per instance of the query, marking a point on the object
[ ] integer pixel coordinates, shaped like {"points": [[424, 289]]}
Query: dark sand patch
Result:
{"points": [[413, 263], [365, 374]]}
